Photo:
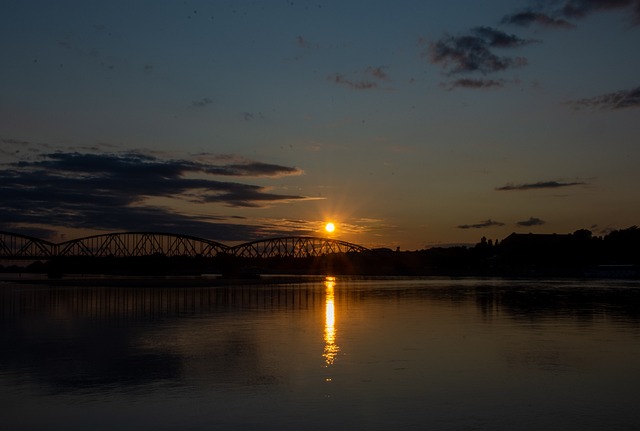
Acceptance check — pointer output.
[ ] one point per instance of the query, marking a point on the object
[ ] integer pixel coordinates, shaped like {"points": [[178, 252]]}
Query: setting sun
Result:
{"points": [[330, 227]]}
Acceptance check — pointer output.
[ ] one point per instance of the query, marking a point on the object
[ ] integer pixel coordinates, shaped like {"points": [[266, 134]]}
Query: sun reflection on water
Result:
{"points": [[330, 347]]}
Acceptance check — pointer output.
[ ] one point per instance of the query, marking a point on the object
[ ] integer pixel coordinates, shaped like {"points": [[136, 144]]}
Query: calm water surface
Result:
{"points": [[380, 354]]}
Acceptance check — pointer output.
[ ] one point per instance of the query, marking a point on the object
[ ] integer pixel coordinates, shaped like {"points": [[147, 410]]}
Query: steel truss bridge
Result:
{"points": [[138, 244]]}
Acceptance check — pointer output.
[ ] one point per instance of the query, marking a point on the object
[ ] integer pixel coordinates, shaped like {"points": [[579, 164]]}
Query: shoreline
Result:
{"points": [[219, 280]]}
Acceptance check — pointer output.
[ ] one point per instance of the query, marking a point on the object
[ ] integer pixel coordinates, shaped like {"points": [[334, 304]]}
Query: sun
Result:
{"points": [[330, 227]]}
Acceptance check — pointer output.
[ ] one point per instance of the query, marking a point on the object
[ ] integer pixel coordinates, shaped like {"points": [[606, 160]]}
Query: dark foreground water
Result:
{"points": [[423, 354]]}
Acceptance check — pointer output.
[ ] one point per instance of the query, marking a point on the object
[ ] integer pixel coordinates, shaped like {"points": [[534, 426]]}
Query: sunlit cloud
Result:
{"points": [[611, 101], [346, 226], [539, 185], [363, 225], [481, 225], [270, 227], [533, 221]]}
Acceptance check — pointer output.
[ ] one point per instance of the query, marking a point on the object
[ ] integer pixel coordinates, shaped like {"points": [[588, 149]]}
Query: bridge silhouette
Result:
{"points": [[138, 244]]}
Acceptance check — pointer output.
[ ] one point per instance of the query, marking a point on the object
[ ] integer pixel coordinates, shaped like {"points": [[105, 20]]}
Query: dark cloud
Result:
{"points": [[75, 47], [253, 169], [473, 52], [527, 18], [364, 84], [582, 8], [112, 191], [201, 103], [378, 73], [132, 219], [612, 101], [499, 39], [140, 165], [35, 232], [476, 51], [250, 116], [481, 225], [549, 15], [475, 83], [305, 43], [305, 47], [10, 141], [533, 221], [539, 185], [241, 195]]}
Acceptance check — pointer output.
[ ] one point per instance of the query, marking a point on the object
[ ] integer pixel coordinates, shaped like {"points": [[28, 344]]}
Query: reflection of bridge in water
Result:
{"points": [[138, 244], [122, 303]]}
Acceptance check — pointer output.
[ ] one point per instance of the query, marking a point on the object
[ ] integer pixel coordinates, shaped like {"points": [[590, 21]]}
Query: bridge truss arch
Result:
{"points": [[294, 246], [136, 244], [16, 246]]}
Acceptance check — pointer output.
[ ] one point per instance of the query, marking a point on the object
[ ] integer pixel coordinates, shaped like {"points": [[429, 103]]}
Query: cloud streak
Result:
{"points": [[529, 17], [362, 84], [372, 77], [475, 83], [622, 99], [305, 43], [549, 16], [538, 185], [378, 73], [583, 8], [201, 103], [533, 221], [481, 225]]}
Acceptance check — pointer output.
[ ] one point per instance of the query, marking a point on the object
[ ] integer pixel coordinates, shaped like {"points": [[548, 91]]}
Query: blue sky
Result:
{"points": [[407, 123]]}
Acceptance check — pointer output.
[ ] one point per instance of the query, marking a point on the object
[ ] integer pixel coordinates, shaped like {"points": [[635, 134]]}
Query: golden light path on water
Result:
{"points": [[330, 347]]}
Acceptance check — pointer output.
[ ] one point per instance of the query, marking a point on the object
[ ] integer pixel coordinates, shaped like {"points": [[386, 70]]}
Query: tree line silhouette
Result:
{"points": [[578, 253]]}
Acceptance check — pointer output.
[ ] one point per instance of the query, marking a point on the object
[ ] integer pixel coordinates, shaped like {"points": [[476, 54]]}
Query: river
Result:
{"points": [[335, 353]]}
